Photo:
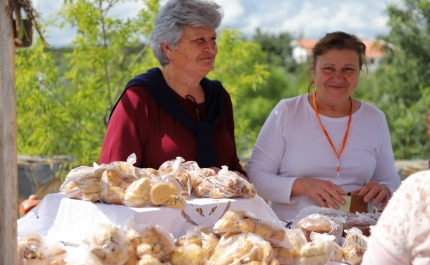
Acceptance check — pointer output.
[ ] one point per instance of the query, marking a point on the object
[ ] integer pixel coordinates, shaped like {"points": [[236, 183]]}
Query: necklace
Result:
{"points": [[345, 137]]}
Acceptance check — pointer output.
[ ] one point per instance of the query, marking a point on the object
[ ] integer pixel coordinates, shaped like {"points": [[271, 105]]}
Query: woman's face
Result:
{"points": [[336, 75], [196, 50]]}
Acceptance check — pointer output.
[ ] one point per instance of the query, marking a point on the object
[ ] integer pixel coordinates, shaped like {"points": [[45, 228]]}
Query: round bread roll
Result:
{"points": [[187, 255], [315, 253], [148, 260], [137, 194], [320, 224], [160, 193], [336, 253]]}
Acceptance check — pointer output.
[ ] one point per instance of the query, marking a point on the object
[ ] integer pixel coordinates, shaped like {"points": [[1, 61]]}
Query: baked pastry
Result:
{"points": [[209, 243], [154, 241], [187, 255], [336, 252], [161, 192], [362, 222], [148, 260], [315, 253], [320, 224], [137, 194], [234, 221], [354, 247], [109, 245]]}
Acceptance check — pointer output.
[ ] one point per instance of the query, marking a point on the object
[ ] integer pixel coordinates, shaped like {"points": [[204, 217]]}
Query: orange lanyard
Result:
{"points": [[345, 137]]}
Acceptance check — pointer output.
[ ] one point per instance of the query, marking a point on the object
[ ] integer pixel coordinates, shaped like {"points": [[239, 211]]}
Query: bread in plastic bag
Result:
{"points": [[191, 254], [355, 246], [151, 240], [245, 248], [226, 184], [320, 224], [108, 245], [34, 249]]}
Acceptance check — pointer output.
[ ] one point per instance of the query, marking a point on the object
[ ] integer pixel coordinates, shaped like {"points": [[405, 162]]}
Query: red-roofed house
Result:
{"points": [[302, 52]]}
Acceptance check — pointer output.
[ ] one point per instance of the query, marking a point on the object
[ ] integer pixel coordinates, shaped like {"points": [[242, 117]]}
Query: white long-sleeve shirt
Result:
{"points": [[291, 145]]}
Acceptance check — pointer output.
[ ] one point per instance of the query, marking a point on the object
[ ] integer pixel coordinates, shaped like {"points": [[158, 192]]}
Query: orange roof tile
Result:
{"points": [[373, 48]]}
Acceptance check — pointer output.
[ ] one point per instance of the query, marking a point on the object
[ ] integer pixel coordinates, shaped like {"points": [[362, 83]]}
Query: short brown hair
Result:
{"points": [[337, 40]]}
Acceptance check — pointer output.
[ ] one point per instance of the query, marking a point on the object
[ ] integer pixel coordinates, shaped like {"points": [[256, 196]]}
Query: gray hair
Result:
{"points": [[175, 14]]}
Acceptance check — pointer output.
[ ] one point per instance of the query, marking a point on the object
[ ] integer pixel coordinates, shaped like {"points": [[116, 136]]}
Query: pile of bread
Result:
{"points": [[34, 250], [170, 185], [344, 229], [236, 238]]}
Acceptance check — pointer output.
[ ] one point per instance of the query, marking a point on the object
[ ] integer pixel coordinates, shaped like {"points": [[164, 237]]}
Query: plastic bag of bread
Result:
{"points": [[151, 173], [137, 194], [198, 175], [108, 245], [167, 192], [288, 255], [114, 183], [170, 165], [227, 184], [354, 246], [33, 249], [240, 222], [335, 249], [151, 240], [360, 221], [272, 232], [176, 169], [201, 237], [235, 222], [335, 215], [82, 183], [320, 251], [191, 254], [320, 224], [245, 248]]}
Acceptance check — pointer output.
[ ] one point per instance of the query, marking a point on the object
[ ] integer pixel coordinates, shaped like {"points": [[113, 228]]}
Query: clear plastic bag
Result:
{"points": [[151, 240], [320, 224], [82, 183], [355, 246], [243, 248], [227, 184]]}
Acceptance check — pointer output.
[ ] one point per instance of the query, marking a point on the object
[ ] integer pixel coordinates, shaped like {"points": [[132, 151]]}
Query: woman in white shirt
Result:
{"points": [[316, 147]]}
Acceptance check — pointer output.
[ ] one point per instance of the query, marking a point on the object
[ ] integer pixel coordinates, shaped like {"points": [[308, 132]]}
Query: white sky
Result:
{"points": [[301, 18]]}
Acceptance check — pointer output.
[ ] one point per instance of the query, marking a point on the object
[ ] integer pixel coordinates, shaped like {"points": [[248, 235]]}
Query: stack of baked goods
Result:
{"points": [[34, 250], [171, 185]]}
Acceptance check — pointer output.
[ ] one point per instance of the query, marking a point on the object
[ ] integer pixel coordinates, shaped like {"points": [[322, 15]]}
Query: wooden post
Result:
{"points": [[8, 164]]}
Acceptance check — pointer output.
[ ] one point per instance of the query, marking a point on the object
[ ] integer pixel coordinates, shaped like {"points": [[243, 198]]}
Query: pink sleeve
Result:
{"points": [[377, 254]]}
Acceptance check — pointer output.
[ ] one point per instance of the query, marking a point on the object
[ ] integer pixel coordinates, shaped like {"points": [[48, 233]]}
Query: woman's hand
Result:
{"points": [[379, 193], [322, 191]]}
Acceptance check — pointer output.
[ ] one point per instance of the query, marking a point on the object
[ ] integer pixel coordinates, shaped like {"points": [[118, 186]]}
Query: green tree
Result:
{"points": [[402, 83], [105, 54]]}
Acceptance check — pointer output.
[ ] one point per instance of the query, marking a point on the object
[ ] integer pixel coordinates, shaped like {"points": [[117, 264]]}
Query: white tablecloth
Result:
{"points": [[70, 221]]}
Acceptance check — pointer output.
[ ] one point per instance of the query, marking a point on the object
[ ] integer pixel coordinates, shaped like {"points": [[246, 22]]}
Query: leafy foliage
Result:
{"points": [[105, 54], [402, 84]]}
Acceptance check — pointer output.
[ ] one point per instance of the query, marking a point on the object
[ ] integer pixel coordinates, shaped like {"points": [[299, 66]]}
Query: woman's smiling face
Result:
{"points": [[336, 74]]}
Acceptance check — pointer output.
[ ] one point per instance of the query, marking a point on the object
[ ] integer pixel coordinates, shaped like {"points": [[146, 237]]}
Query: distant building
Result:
{"points": [[302, 52]]}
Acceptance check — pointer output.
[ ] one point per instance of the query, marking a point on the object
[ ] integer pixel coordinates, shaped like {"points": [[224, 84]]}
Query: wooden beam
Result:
{"points": [[8, 165]]}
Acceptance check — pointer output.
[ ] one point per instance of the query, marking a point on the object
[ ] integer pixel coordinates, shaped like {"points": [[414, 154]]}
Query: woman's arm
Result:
{"points": [[124, 134]]}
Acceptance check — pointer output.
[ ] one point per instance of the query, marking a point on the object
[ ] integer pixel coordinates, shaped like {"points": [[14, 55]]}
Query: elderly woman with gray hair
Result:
{"points": [[175, 110]]}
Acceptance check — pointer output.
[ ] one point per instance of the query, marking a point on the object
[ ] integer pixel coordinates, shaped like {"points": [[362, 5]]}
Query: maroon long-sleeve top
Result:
{"points": [[139, 125]]}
